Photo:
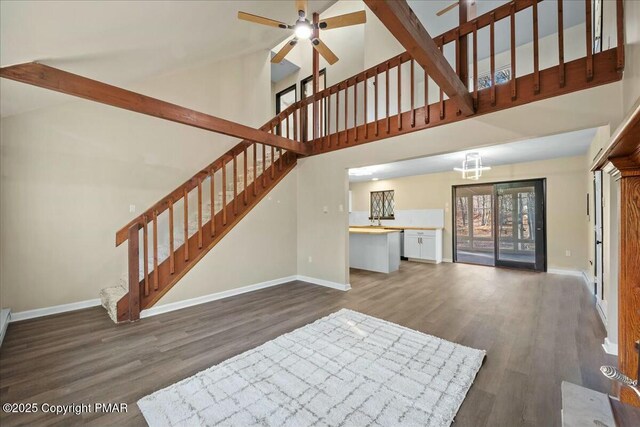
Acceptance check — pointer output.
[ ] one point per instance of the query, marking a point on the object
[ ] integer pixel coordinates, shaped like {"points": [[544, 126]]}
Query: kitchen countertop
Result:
{"points": [[395, 227], [371, 230]]}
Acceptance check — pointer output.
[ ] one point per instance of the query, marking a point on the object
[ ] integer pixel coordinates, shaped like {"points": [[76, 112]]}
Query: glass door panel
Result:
{"points": [[474, 224], [520, 223]]}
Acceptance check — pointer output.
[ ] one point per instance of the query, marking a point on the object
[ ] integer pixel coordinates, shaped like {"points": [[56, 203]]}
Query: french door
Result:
{"points": [[501, 224], [520, 225], [474, 224]]}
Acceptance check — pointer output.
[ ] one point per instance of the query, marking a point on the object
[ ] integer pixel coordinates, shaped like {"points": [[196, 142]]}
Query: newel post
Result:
{"points": [[134, 273]]}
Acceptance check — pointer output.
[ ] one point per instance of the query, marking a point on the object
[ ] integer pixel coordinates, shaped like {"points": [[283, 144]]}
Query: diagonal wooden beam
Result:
{"points": [[72, 84], [400, 20]]}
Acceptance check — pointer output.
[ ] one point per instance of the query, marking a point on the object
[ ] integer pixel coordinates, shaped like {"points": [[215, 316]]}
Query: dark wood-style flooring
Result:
{"points": [[538, 329]]}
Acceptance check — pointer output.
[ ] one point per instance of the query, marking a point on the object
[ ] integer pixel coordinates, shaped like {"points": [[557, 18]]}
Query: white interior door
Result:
{"points": [[598, 233]]}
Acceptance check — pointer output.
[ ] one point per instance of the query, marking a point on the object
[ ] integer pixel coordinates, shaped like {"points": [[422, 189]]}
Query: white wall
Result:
{"points": [[631, 78], [70, 172]]}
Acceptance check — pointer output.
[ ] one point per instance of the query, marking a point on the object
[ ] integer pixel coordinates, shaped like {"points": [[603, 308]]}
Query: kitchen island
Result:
{"points": [[374, 249]]}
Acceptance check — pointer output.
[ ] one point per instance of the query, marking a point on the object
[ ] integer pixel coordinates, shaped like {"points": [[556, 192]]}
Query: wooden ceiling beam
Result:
{"points": [[58, 80], [400, 20]]}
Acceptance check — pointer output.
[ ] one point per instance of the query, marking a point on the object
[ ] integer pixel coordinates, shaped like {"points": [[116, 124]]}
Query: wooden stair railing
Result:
{"points": [[236, 182], [352, 114]]}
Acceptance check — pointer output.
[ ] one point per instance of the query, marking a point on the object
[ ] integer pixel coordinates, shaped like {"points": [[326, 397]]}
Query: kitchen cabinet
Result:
{"points": [[411, 246], [423, 245]]}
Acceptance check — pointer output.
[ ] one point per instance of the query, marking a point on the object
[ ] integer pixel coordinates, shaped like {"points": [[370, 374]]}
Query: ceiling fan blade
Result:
{"points": [[261, 20], [345, 20], [284, 51], [326, 53], [301, 8], [447, 9]]}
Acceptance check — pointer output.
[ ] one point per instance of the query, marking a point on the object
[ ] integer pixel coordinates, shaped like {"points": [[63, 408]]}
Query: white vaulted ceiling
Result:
{"points": [[122, 42]]}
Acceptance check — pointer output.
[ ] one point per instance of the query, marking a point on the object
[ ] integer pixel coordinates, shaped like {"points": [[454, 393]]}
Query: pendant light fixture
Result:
{"points": [[472, 167]]}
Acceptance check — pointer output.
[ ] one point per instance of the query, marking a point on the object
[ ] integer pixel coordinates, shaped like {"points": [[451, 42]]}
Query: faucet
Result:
{"points": [[373, 219]]}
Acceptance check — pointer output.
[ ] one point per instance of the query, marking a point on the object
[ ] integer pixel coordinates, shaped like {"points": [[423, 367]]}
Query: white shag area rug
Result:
{"points": [[346, 369]]}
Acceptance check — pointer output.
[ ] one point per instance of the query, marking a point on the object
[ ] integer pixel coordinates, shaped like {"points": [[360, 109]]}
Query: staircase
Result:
{"points": [[167, 240]]}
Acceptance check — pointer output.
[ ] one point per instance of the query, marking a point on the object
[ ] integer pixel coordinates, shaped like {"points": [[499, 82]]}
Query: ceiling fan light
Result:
{"points": [[303, 30]]}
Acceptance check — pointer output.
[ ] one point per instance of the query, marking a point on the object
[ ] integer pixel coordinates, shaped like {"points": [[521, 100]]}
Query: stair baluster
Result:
{"points": [[172, 261], [186, 224], [235, 185], [145, 258], [199, 213], [224, 192], [155, 250], [212, 192], [245, 177]]}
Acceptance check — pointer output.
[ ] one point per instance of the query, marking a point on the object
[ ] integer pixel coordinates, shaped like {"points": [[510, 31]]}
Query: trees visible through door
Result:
{"points": [[518, 240], [474, 224]]}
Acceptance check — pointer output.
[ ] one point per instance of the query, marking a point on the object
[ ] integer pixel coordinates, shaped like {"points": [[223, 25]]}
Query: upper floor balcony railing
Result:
{"points": [[397, 96]]}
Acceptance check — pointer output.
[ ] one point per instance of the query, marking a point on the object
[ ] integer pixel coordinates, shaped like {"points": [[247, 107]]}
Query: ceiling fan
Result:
{"points": [[304, 29], [453, 5]]}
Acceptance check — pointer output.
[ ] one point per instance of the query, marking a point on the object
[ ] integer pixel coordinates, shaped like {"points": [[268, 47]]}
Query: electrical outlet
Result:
{"points": [[325, 209], [132, 208], [310, 259], [567, 253], [340, 208]]}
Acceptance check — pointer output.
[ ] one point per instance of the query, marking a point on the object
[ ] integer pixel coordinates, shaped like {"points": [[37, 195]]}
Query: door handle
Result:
{"points": [[598, 242]]}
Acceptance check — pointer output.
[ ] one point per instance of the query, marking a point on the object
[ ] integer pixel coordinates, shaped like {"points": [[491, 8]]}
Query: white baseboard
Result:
{"points": [[322, 282], [601, 313], [610, 347], [588, 282], [165, 308], [47, 311], [447, 260], [565, 272], [5, 318]]}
